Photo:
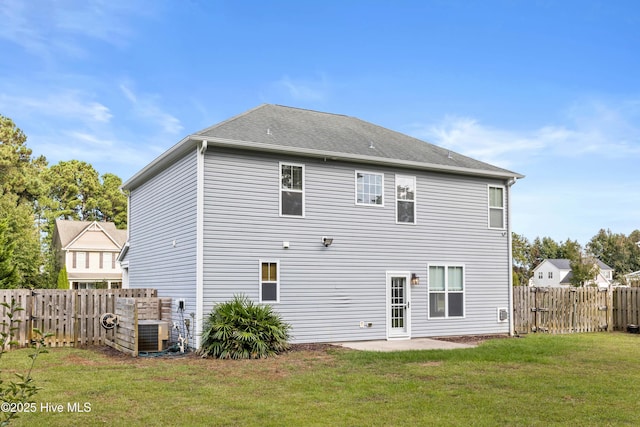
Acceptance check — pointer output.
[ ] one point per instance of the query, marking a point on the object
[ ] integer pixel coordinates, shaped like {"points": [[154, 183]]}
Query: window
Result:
{"points": [[369, 188], [405, 199], [540, 275], [496, 207], [446, 291], [80, 260], [291, 190], [269, 283], [551, 275]]}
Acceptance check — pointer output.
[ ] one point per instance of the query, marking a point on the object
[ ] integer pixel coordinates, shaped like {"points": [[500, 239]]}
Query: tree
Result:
{"points": [[617, 251], [111, 201], [570, 249], [23, 234], [21, 186], [521, 256], [584, 268], [19, 173], [63, 279], [74, 188], [547, 248], [8, 274]]}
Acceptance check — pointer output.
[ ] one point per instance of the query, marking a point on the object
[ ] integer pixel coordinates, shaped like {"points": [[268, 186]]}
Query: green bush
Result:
{"points": [[240, 329]]}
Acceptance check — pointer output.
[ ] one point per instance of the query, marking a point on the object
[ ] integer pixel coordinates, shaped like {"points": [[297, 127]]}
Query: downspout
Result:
{"points": [[202, 149], [510, 182]]}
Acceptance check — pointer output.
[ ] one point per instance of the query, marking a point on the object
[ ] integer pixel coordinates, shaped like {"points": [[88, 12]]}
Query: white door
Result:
{"points": [[398, 305]]}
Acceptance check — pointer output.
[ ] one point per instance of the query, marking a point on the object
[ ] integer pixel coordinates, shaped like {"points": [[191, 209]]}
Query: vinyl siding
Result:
{"points": [[326, 292], [163, 210]]}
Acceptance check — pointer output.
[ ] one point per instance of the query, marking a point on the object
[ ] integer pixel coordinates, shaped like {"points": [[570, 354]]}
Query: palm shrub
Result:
{"points": [[240, 329]]}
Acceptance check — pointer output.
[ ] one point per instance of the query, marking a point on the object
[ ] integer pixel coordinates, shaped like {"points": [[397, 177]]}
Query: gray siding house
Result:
{"points": [[557, 273], [349, 230]]}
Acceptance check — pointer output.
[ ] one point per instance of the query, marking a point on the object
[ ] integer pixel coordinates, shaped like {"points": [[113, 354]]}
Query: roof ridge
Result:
{"points": [[312, 111]]}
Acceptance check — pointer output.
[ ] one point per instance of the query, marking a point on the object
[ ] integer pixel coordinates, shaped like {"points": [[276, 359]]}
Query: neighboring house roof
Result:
{"points": [[565, 264], [277, 128], [69, 230]]}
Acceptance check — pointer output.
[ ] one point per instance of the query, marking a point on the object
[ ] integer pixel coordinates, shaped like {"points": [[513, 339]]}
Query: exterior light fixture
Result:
{"points": [[415, 280], [327, 241]]}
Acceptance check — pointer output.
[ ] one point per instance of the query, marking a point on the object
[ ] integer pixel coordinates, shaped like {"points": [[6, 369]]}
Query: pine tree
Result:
{"points": [[8, 274]]}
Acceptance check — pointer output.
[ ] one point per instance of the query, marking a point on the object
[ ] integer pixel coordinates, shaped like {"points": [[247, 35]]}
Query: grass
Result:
{"points": [[583, 379]]}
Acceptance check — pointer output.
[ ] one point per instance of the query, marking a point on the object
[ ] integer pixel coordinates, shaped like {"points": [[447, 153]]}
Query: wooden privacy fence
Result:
{"points": [[569, 310], [71, 316]]}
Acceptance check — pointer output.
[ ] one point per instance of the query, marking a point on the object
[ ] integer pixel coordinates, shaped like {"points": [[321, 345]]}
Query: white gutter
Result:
{"points": [[199, 319], [191, 141], [510, 182], [334, 155]]}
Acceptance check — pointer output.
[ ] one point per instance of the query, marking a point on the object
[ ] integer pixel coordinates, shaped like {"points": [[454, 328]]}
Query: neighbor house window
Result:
{"points": [[551, 275], [540, 275], [291, 189], [405, 199], [446, 291], [269, 281], [80, 260], [496, 207], [369, 188]]}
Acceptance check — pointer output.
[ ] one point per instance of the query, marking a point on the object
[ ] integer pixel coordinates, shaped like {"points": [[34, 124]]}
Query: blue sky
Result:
{"points": [[550, 89]]}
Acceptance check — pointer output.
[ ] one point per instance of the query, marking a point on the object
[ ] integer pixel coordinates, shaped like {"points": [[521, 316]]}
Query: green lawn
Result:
{"points": [[586, 379]]}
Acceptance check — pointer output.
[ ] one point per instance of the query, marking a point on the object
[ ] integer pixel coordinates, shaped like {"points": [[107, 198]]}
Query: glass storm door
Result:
{"points": [[398, 305]]}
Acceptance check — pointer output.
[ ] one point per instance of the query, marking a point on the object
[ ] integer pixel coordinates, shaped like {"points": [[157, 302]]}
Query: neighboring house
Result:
{"points": [[89, 251], [557, 273], [633, 279], [349, 230]]}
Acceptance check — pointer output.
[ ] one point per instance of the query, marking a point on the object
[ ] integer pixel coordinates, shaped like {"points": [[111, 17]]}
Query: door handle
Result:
{"points": [[408, 304]]}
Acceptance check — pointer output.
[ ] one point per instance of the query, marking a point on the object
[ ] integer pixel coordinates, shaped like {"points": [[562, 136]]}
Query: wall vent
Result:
{"points": [[503, 315]]}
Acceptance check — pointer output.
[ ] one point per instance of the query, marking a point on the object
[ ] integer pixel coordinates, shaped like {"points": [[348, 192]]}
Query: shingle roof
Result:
{"points": [[68, 230], [565, 264], [280, 129], [298, 128]]}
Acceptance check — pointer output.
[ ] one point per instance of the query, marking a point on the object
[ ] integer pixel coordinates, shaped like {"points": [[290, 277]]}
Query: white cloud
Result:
{"points": [[146, 107], [47, 28], [592, 127], [68, 104], [305, 90]]}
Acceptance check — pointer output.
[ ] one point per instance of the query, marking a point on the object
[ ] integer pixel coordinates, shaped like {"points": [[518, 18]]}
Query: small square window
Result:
{"points": [[269, 281]]}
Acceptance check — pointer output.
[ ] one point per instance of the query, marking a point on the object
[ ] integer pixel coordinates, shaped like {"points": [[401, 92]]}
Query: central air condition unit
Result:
{"points": [[153, 335]]}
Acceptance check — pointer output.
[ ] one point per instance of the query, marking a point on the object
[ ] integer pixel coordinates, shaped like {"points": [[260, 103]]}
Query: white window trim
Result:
{"points": [[489, 207], [446, 291], [280, 189], [277, 263], [355, 186], [415, 199]]}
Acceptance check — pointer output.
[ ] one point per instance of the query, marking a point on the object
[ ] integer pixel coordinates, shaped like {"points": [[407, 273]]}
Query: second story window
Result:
{"points": [[551, 275], [496, 207], [405, 199], [291, 189], [369, 188]]}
